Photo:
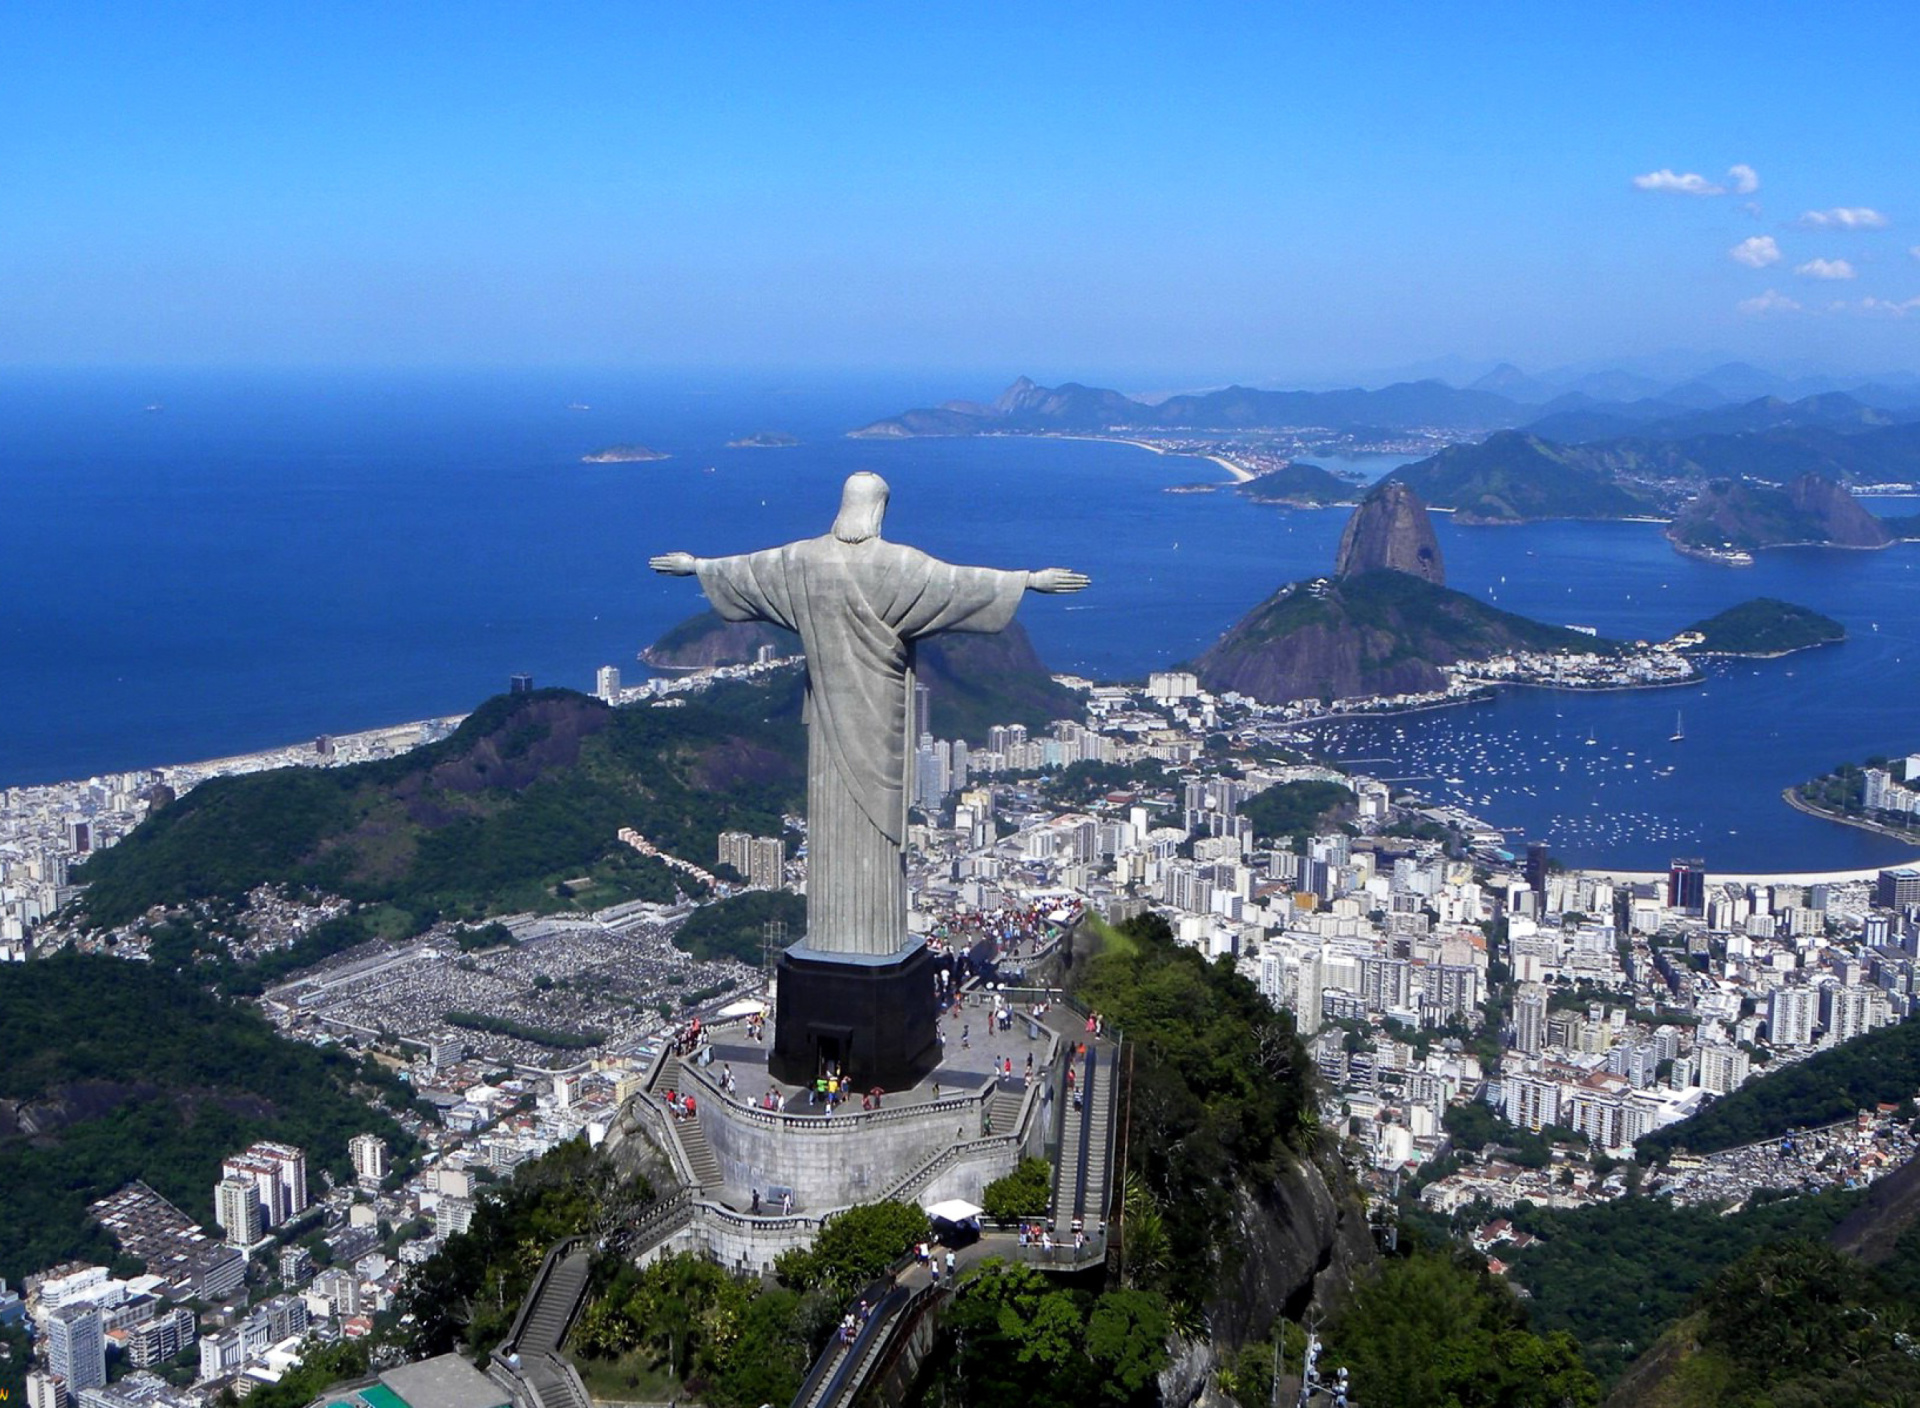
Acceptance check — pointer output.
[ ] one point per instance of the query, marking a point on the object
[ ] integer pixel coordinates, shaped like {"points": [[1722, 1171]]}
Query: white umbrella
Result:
{"points": [[741, 1007], [954, 1210]]}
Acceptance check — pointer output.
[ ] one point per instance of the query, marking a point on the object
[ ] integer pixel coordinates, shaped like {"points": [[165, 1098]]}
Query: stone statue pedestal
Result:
{"points": [[872, 1015]]}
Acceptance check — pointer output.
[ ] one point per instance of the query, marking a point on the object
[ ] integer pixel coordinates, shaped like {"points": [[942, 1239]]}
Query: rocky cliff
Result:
{"points": [[1391, 531], [1743, 514]]}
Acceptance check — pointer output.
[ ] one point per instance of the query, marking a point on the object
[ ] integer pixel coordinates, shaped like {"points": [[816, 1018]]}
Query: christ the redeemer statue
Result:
{"points": [[859, 605]]}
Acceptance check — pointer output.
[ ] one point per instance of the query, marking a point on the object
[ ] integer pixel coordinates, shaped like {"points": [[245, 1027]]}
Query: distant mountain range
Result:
{"points": [[1594, 405]]}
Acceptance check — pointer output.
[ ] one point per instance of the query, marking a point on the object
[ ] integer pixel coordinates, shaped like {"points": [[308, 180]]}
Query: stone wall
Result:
{"points": [[832, 1161]]}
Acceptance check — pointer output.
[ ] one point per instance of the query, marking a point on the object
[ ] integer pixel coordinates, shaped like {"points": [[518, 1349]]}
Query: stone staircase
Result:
{"points": [[701, 1160], [558, 1300], [1004, 1109], [1082, 1176]]}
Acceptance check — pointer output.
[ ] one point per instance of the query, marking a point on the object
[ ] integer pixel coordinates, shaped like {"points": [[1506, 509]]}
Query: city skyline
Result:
{"points": [[1146, 200]]}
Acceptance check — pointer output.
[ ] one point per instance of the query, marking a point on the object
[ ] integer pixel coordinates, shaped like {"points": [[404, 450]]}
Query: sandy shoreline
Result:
{"points": [[1238, 474]]}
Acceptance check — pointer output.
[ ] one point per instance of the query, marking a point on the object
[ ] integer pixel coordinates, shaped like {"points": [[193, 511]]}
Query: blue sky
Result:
{"points": [[1153, 195]]}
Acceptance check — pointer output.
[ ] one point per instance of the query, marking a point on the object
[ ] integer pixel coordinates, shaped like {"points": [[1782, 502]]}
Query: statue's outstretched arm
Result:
{"points": [[674, 564], [1057, 581]]}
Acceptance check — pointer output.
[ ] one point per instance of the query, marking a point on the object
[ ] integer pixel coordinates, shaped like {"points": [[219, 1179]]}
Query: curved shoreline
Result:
{"points": [[1800, 804]]}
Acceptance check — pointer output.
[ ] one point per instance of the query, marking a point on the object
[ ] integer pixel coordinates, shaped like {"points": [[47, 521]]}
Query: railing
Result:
{"points": [[797, 1123], [556, 1253]]}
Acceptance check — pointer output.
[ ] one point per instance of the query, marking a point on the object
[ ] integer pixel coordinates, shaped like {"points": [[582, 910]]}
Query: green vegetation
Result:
{"points": [[1765, 626], [494, 935], [736, 927], [467, 1293], [1381, 632], [528, 793], [853, 1248], [1882, 1067], [1222, 1091], [1079, 784], [1022, 1193], [520, 1031], [683, 1323], [1615, 1274], [1511, 477], [1432, 1331], [134, 1072], [1303, 484], [1793, 1325], [1295, 810], [1013, 1336], [320, 1366]]}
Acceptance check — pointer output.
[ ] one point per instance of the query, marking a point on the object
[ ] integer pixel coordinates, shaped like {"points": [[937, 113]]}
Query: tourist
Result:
{"points": [[756, 1203]]}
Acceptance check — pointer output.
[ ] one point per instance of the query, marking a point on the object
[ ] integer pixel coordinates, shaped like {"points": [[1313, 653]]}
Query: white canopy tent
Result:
{"points": [[954, 1210]]}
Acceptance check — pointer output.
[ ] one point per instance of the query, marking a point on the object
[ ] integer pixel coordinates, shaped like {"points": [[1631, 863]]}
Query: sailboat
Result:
{"points": [[1679, 728]]}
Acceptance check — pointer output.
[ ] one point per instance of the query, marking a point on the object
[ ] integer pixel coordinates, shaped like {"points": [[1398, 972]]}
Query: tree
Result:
{"points": [[854, 1247], [1022, 1193], [1427, 1330]]}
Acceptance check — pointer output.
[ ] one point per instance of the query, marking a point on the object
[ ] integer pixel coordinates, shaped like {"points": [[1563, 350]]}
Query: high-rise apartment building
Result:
{"points": [[369, 1152], [77, 1347], [236, 1207], [1530, 1018]]}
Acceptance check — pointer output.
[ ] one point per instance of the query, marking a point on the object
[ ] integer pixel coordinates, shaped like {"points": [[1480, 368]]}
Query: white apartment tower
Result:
{"points": [[369, 1153]]}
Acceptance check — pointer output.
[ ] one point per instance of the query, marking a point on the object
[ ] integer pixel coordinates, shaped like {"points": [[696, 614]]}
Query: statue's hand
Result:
{"points": [[674, 564], [1056, 580]]}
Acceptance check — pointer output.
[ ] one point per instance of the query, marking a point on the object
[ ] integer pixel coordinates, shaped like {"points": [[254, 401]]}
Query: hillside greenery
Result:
{"points": [[1433, 1330], [735, 927], [1766, 626], [1615, 1274], [1222, 1091], [1513, 477], [1411, 611], [465, 1296], [1790, 1325], [1295, 810], [131, 1071], [517, 810], [1301, 483], [1881, 1067]]}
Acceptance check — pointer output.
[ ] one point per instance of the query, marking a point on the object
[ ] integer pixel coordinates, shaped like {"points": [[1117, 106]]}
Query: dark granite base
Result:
{"points": [[874, 1017]]}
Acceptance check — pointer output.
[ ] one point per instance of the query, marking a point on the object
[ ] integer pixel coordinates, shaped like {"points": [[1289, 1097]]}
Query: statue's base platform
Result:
{"points": [[872, 1016]]}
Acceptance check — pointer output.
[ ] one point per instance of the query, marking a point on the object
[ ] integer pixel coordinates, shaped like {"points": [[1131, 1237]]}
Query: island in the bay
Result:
{"points": [[1761, 629], [624, 454], [764, 440]]}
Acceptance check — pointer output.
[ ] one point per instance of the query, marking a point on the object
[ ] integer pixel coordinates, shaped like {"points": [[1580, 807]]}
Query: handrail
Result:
{"points": [[1086, 1134], [1114, 1116], [869, 1348], [560, 1250], [795, 1122]]}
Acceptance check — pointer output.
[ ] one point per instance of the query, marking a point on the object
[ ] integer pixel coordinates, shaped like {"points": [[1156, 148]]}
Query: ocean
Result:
{"points": [[262, 558]]}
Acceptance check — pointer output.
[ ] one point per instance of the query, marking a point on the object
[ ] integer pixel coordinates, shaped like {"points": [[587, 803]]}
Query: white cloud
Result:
{"points": [[1825, 269], [1883, 306], [1845, 217], [1742, 179], [1768, 302], [1756, 252], [1691, 184]]}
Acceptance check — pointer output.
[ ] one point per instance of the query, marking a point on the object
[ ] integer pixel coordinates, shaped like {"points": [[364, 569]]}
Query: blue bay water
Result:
{"points": [[266, 558]]}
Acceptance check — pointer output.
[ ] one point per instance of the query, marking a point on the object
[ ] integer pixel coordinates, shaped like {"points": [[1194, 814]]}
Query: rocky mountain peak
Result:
{"points": [[1390, 529]]}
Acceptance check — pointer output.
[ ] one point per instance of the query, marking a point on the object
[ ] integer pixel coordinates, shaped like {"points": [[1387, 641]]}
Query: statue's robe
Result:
{"points": [[859, 608]]}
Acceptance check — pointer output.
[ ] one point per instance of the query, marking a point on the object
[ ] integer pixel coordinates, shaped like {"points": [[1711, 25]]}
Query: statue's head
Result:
{"points": [[863, 503]]}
